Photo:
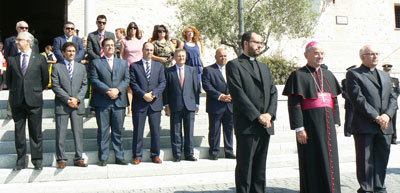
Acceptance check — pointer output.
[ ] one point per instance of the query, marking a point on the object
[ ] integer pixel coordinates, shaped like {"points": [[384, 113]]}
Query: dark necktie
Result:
{"points": [[69, 67], [255, 68], [148, 71], [24, 63]]}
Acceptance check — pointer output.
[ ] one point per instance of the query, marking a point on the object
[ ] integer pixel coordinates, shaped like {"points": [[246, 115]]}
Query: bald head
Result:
{"points": [[220, 57], [22, 26]]}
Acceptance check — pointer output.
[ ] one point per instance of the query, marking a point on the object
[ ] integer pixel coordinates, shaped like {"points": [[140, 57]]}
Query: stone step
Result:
{"points": [[346, 147]]}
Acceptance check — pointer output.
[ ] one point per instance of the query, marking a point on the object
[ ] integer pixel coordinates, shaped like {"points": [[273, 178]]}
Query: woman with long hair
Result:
{"points": [[164, 47], [194, 48]]}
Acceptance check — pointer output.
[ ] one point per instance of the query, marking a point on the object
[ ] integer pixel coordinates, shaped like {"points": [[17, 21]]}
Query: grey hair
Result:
{"points": [[28, 36], [19, 23], [362, 50], [179, 50]]}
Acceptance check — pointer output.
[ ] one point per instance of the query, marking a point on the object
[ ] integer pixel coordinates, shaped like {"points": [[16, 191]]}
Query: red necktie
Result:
{"points": [[181, 76], [101, 45]]}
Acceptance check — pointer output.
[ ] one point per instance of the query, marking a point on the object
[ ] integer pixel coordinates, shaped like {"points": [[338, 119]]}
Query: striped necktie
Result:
{"points": [[69, 68], [101, 45], [24, 65], [147, 71]]}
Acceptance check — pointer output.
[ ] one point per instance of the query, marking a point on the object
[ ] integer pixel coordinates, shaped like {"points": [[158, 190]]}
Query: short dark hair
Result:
{"points": [[247, 36], [68, 22], [102, 44], [101, 17], [69, 44]]}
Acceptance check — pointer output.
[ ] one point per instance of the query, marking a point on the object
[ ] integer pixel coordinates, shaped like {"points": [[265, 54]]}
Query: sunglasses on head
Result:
{"points": [[102, 22]]}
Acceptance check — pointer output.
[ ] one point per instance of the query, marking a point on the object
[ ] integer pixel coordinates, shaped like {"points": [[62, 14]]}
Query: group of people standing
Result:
{"points": [[164, 74]]}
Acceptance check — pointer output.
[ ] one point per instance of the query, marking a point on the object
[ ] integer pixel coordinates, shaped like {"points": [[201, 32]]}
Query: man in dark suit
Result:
{"points": [[254, 97], [374, 100], [147, 83], [95, 39], [395, 83], [69, 83], [347, 106], [181, 100], [69, 29], [11, 48], [218, 106], [110, 78], [27, 77]]}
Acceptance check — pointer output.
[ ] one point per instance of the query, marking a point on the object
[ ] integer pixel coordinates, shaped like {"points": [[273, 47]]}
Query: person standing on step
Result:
{"points": [[218, 106], [69, 84], [27, 77], [148, 84], [110, 78], [181, 101], [314, 113], [254, 98]]}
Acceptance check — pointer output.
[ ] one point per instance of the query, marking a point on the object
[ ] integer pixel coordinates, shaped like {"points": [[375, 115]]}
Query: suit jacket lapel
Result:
{"points": [[247, 66], [97, 39], [219, 73], [64, 70], [106, 65], [371, 77], [152, 71], [31, 62], [19, 63]]}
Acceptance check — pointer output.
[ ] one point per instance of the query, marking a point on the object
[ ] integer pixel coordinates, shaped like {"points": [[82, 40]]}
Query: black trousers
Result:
{"points": [[176, 132], [34, 116], [251, 158], [372, 156], [214, 132]]}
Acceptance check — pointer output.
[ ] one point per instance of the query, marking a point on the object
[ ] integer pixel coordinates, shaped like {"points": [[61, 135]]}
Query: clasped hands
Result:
{"points": [[383, 121], [225, 98], [148, 97], [113, 93], [265, 120], [73, 102]]}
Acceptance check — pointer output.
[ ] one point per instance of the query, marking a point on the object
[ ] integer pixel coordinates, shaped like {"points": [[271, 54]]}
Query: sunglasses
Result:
{"points": [[102, 22], [162, 31], [24, 27], [133, 27], [69, 28]]}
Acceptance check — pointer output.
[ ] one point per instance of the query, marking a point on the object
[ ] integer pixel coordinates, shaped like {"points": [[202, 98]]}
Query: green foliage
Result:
{"points": [[280, 68], [217, 20]]}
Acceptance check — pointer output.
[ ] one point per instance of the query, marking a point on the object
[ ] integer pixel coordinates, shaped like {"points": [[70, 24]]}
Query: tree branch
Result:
{"points": [[254, 5]]}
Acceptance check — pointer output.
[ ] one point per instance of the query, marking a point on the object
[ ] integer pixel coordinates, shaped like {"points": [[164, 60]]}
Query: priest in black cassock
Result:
{"points": [[314, 113]]}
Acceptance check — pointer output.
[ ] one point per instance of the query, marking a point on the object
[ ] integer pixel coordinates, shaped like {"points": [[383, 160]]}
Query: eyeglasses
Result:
{"points": [[162, 31], [102, 22], [371, 54], [133, 27], [70, 28], [24, 27]]}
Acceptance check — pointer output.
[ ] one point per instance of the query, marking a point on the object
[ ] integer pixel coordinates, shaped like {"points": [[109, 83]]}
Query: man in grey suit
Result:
{"points": [[110, 78], [69, 83], [27, 77], [95, 39], [69, 29], [374, 100], [181, 100]]}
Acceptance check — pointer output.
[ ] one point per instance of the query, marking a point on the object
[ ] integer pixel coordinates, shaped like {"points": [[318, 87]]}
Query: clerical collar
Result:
{"points": [[370, 69], [250, 58], [313, 68]]}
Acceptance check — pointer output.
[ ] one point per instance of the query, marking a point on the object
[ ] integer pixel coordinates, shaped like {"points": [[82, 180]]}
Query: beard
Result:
{"points": [[253, 52]]}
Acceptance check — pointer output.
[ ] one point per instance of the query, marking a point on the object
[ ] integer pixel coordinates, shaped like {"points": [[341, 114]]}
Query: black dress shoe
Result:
{"points": [[213, 157], [190, 158], [176, 159], [18, 168], [230, 156], [102, 163], [121, 162], [394, 142], [38, 167]]}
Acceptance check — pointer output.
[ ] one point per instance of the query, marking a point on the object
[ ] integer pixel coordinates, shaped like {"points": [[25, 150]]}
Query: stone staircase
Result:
{"points": [[282, 149]]}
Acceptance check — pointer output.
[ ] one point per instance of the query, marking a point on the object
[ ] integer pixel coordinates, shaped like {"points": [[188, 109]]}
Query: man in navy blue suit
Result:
{"points": [[69, 29], [181, 100], [110, 78], [147, 83], [218, 106]]}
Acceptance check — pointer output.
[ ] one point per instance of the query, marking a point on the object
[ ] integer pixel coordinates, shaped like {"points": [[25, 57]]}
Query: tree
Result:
{"points": [[217, 20]]}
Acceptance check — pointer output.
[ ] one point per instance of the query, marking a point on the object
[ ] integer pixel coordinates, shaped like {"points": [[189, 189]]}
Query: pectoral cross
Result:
{"points": [[323, 96]]}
